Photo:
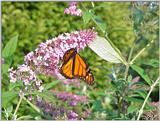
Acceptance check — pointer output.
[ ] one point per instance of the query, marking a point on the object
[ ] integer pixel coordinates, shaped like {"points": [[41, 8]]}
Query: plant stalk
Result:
{"points": [[17, 107], [145, 101], [141, 52], [128, 63]]}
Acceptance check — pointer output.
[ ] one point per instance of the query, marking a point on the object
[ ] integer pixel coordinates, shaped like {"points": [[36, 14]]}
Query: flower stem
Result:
{"points": [[141, 52], [128, 63], [17, 107], [145, 101], [33, 106]]}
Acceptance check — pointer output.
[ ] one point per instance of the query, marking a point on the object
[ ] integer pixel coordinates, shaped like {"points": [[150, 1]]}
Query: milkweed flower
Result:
{"points": [[73, 10], [47, 57]]}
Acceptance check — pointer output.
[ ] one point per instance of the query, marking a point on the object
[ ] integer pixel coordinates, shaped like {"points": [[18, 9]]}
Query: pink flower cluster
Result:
{"points": [[71, 98], [27, 75], [72, 9], [46, 58]]}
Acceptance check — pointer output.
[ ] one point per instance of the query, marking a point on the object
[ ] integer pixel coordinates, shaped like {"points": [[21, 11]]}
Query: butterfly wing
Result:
{"points": [[79, 66], [81, 70], [66, 69], [89, 78]]}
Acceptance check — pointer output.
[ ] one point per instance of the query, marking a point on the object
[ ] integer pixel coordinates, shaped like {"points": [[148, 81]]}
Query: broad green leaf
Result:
{"points": [[142, 73], [7, 97], [104, 49], [86, 17], [51, 85], [132, 108], [10, 47]]}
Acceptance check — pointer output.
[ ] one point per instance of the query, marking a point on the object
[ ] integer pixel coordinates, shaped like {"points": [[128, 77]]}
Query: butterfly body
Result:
{"points": [[74, 66]]}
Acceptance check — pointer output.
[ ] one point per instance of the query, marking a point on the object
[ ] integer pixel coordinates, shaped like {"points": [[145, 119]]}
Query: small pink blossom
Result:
{"points": [[25, 74], [30, 97], [73, 10]]}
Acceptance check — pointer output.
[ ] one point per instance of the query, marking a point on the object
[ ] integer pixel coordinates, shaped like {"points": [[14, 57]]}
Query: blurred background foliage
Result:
{"points": [[35, 22]]}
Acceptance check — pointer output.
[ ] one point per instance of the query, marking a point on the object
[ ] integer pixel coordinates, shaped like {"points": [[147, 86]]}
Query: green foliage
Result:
{"points": [[7, 97], [141, 72], [8, 52]]}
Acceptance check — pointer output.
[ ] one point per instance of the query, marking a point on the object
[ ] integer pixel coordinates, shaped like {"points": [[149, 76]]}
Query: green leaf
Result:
{"points": [[129, 78], [104, 49], [134, 99], [137, 16], [97, 106], [141, 93], [14, 85], [10, 47], [100, 22], [149, 107], [132, 108], [86, 17], [7, 97], [5, 68], [51, 85], [153, 62], [142, 73], [8, 111], [25, 117], [6, 65]]}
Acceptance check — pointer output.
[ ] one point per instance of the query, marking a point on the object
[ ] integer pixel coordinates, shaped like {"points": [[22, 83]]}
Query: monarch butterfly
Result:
{"points": [[75, 67]]}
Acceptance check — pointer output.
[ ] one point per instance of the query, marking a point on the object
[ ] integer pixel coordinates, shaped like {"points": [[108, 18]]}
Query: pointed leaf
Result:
{"points": [[10, 47], [51, 85], [104, 49], [132, 108], [86, 17], [142, 73]]}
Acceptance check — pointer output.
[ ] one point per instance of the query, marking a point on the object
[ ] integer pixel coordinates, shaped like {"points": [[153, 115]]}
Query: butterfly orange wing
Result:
{"points": [[81, 70], [66, 69]]}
